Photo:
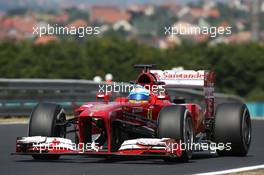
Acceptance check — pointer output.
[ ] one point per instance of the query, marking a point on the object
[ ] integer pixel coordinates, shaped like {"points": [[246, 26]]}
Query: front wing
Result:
{"points": [[136, 148]]}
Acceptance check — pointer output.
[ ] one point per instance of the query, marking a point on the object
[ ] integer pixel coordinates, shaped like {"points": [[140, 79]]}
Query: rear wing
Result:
{"points": [[185, 78], [190, 79]]}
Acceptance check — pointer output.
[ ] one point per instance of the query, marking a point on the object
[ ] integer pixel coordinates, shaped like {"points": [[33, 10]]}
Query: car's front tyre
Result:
{"points": [[175, 122], [44, 121]]}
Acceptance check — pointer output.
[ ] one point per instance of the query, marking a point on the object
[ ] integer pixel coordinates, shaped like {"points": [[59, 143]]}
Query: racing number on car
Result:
{"points": [[149, 114]]}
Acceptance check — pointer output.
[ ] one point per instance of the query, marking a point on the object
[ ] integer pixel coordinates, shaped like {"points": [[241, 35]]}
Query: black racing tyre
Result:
{"points": [[233, 127], [116, 137], [176, 122], [44, 122]]}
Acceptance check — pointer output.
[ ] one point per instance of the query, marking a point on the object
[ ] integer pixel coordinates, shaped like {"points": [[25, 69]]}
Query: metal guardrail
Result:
{"points": [[19, 96]]}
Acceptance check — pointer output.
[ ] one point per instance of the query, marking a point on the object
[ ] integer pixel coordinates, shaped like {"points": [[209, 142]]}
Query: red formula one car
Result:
{"points": [[146, 124]]}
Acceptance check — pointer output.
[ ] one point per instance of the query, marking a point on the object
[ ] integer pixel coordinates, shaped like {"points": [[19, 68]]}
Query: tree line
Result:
{"points": [[239, 68]]}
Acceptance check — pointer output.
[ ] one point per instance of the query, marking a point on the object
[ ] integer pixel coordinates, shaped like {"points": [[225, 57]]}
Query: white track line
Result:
{"points": [[233, 170]]}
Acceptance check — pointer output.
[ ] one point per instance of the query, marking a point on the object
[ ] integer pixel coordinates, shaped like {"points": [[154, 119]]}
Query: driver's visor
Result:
{"points": [[137, 96]]}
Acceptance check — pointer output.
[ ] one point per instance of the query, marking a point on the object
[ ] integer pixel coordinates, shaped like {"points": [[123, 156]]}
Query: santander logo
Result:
{"points": [[179, 75]]}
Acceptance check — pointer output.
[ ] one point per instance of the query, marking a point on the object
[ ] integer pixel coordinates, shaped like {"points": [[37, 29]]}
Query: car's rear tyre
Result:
{"points": [[233, 127], [176, 122], [47, 120]]}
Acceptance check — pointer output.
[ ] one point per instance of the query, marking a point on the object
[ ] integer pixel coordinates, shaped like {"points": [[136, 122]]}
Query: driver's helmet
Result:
{"points": [[139, 94]]}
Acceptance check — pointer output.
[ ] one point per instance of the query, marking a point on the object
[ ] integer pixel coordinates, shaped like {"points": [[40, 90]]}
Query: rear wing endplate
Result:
{"points": [[190, 79]]}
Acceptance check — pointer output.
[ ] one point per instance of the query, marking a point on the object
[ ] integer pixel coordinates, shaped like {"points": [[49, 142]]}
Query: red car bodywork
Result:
{"points": [[137, 119]]}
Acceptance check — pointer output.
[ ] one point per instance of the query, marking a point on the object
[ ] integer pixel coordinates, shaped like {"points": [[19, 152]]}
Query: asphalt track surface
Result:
{"points": [[201, 162]]}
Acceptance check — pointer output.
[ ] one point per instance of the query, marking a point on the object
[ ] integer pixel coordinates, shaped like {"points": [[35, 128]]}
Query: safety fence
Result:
{"points": [[19, 96]]}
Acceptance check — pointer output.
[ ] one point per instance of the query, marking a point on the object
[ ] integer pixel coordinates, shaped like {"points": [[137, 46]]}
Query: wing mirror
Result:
{"points": [[103, 96], [161, 97]]}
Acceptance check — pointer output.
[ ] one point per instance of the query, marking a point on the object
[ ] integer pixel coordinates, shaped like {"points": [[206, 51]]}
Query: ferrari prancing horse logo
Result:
{"points": [[149, 114]]}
